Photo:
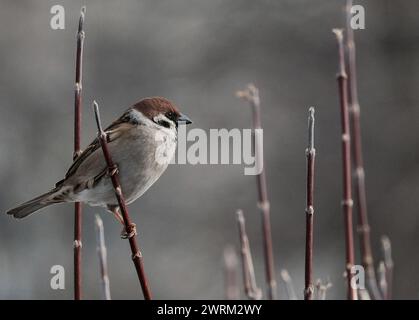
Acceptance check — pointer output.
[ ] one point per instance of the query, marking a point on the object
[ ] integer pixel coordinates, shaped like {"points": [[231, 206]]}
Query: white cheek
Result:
{"points": [[164, 138], [139, 117], [161, 117]]}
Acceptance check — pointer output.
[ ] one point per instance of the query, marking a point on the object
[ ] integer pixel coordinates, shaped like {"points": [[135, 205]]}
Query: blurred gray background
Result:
{"points": [[198, 53]]}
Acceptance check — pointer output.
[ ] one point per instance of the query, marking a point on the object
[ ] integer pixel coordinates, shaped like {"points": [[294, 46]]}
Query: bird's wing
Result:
{"points": [[113, 132]]}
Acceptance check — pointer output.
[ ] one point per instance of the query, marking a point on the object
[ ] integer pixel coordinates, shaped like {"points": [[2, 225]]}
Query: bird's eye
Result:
{"points": [[171, 115], [164, 123]]}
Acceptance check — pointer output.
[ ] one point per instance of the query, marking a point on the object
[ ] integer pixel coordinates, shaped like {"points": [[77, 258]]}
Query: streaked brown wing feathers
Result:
{"points": [[113, 132]]}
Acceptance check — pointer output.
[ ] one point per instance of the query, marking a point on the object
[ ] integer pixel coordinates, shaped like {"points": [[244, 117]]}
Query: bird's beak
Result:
{"points": [[184, 118]]}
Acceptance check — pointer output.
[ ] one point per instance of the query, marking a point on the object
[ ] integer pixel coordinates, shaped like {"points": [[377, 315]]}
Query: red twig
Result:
{"points": [[129, 226], [360, 190], [251, 94], [249, 278], [102, 252], [77, 151], [347, 202], [311, 155]]}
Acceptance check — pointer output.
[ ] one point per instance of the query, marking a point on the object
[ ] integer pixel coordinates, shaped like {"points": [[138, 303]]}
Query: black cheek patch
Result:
{"points": [[164, 123]]}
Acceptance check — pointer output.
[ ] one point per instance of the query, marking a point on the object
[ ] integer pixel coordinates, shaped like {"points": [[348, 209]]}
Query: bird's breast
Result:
{"points": [[145, 160]]}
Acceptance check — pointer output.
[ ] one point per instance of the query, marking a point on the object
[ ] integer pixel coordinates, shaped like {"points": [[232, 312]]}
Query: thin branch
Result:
{"points": [[322, 289], [360, 190], [311, 155], [347, 202], [102, 252], [363, 294], [232, 291], [77, 151], [129, 226], [389, 265], [382, 281], [289, 286], [251, 94], [250, 287]]}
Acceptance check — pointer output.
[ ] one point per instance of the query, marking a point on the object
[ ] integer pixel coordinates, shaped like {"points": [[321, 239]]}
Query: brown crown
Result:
{"points": [[151, 107]]}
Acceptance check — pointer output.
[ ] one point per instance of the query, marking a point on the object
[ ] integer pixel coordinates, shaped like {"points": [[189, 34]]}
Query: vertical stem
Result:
{"points": [[360, 190], [129, 226], [311, 155], [250, 287], [289, 286], [77, 151], [322, 289], [388, 266], [102, 252], [382, 279], [230, 263], [347, 202], [251, 93]]}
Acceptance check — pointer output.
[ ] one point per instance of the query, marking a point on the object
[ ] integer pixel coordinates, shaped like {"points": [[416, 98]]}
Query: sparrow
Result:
{"points": [[142, 143]]}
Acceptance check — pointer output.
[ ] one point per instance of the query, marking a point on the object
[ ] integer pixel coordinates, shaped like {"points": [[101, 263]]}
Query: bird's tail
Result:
{"points": [[35, 204]]}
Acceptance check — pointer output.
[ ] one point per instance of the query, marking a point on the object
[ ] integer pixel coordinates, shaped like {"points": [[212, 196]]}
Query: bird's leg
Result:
{"points": [[132, 229], [115, 211]]}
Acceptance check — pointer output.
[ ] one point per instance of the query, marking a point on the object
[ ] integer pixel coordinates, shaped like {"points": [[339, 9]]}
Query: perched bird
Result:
{"points": [[142, 143]]}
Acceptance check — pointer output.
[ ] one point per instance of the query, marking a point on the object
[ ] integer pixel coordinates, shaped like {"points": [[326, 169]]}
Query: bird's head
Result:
{"points": [[161, 111]]}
